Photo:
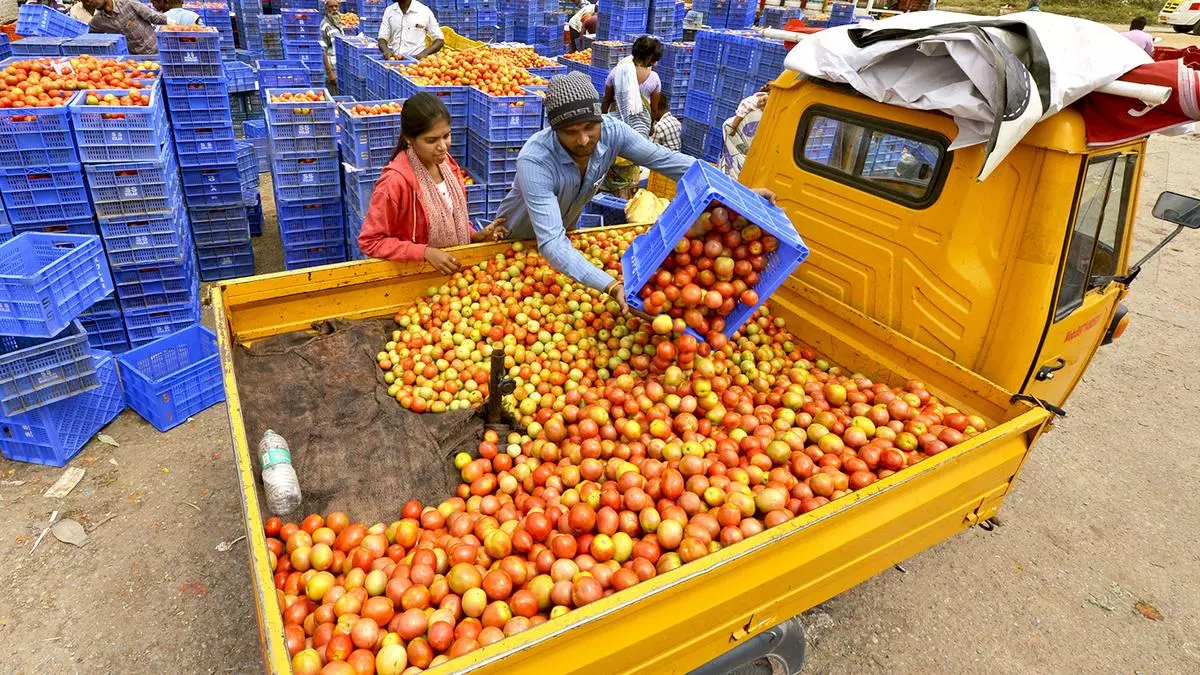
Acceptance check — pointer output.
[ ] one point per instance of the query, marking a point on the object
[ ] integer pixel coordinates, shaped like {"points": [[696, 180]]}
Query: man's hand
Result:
{"points": [[493, 232], [441, 261], [617, 292], [765, 193]]}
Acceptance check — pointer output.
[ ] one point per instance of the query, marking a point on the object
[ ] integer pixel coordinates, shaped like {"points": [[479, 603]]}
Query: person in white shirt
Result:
{"points": [[575, 25], [403, 30], [176, 14]]}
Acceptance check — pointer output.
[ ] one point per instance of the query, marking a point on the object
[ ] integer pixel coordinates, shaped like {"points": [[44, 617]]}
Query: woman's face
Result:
{"points": [[433, 145]]}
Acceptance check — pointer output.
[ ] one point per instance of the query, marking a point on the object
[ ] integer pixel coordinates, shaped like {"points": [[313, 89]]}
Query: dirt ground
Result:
{"points": [[1093, 569]]}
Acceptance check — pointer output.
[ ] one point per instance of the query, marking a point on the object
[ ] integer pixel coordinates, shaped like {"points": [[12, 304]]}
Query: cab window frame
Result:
{"points": [[1128, 161], [875, 124]]}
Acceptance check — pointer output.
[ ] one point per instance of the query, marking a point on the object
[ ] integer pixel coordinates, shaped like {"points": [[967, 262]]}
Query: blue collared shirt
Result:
{"points": [[549, 193]]}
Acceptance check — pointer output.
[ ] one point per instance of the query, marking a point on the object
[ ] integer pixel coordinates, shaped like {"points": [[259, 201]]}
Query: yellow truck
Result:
{"points": [[997, 294]]}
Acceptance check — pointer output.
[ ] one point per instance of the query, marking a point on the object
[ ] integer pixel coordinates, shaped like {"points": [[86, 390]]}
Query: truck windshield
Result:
{"points": [[1100, 214], [875, 158]]}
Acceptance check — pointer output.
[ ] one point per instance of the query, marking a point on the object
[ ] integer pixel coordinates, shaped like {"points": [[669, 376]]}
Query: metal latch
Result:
{"points": [[1047, 372]]}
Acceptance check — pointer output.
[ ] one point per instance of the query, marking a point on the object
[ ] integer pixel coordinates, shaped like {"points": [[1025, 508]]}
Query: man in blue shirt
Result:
{"points": [[560, 168]]}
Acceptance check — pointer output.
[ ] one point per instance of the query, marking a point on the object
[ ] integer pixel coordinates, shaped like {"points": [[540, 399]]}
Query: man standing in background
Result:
{"points": [[129, 18], [405, 25], [176, 14]]}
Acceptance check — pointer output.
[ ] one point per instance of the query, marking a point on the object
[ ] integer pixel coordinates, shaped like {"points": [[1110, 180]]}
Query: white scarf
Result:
{"points": [[625, 83]]}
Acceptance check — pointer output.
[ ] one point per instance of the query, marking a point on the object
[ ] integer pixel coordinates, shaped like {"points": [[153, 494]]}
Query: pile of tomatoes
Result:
{"points": [[486, 69], [711, 269], [522, 57], [642, 452], [349, 19], [584, 56], [388, 108], [50, 82], [133, 98], [309, 96]]}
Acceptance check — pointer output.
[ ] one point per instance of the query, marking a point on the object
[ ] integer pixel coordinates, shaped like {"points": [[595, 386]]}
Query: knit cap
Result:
{"points": [[571, 99]]}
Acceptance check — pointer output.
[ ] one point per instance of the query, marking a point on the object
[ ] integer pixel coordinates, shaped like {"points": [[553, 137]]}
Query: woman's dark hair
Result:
{"points": [[420, 113], [647, 50]]}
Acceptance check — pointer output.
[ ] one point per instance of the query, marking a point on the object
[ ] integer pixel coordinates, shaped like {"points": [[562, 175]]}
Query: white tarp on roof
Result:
{"points": [[996, 76]]}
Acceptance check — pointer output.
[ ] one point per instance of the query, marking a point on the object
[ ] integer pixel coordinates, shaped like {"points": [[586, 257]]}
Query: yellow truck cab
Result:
{"points": [[1015, 277], [996, 294]]}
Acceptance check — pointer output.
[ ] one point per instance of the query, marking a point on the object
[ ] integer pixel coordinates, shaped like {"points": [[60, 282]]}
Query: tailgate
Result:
{"points": [[679, 620]]}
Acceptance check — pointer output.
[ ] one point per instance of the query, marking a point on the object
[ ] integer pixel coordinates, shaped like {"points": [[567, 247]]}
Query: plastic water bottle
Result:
{"points": [[279, 478]]}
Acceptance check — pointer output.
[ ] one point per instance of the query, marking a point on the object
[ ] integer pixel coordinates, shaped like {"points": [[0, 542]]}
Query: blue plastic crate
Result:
{"points": [[700, 187], [360, 184], [282, 73], [493, 163], [306, 178], [74, 226], [226, 262], [190, 53], [610, 208], [37, 136], [368, 141], [247, 164], [119, 133], [198, 101], [32, 47], [456, 99], [700, 107], [254, 128], [216, 185], [96, 44], [607, 54], [733, 86], [52, 435], [174, 377], [254, 216], [145, 240], [44, 21], [35, 195], [38, 371], [714, 144], [205, 146], [158, 285], [135, 188], [703, 79], [300, 257], [316, 119], [311, 223], [599, 78], [241, 77], [677, 56], [548, 71], [46, 280], [220, 226], [505, 118], [106, 330], [148, 325], [306, 51]]}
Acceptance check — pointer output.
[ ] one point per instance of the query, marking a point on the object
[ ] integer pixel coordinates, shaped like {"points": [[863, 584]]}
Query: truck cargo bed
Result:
{"points": [[683, 618]]}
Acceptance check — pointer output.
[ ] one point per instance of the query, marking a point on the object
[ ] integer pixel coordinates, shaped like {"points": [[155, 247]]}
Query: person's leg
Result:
{"points": [[574, 47]]}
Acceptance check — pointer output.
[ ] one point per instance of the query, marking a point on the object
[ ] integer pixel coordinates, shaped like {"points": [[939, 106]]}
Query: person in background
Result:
{"points": [[129, 18], [79, 12], [739, 132], [633, 87], [575, 24], [1137, 35], [560, 167], [419, 205], [1034, 6], [667, 131], [176, 14], [331, 27], [403, 30]]}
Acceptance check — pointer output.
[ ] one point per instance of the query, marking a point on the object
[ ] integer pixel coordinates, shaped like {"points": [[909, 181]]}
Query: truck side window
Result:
{"points": [[1100, 214], [871, 155]]}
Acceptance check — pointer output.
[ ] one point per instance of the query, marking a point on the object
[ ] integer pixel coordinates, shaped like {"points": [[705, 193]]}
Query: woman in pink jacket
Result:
{"points": [[419, 205]]}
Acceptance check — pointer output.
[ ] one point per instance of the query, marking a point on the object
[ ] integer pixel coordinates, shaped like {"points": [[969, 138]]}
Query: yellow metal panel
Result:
{"points": [[685, 617]]}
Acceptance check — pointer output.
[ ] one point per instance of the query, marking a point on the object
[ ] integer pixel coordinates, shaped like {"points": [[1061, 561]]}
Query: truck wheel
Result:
{"points": [[1186, 29], [778, 651]]}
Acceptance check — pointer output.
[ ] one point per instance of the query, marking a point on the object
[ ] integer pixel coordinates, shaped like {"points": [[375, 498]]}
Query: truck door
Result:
{"points": [[1095, 247]]}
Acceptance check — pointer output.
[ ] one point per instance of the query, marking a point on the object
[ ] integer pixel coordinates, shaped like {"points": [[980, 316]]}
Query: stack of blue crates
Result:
{"points": [[727, 66], [674, 70], [370, 15], [367, 144], [271, 29], [499, 127], [96, 44], [5, 46], [202, 124], [619, 18], [215, 14], [255, 131], [456, 98], [302, 41], [306, 177], [664, 20], [350, 54], [56, 391], [249, 26], [474, 19], [778, 17], [841, 14], [727, 13], [528, 16]]}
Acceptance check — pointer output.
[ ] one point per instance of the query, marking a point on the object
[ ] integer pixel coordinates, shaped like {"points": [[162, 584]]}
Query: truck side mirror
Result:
{"points": [[1179, 209]]}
